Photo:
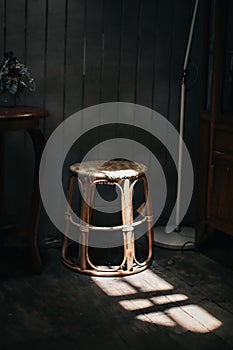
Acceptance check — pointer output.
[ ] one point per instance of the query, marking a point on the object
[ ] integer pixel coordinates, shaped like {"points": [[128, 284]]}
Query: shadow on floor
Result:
{"points": [[219, 247], [183, 300]]}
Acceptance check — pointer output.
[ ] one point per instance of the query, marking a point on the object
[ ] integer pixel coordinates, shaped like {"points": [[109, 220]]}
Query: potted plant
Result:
{"points": [[14, 79]]}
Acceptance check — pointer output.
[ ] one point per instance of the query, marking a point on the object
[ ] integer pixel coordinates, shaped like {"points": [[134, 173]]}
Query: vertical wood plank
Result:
{"points": [[55, 53], [93, 60], [15, 184], [74, 56], [36, 24], [93, 52], [164, 13], [128, 59], [2, 136], [163, 56], [110, 60], [165, 50], [112, 38], [144, 72], [144, 82], [15, 38], [55, 63], [2, 28], [74, 78], [182, 21], [35, 60], [129, 50], [193, 104]]}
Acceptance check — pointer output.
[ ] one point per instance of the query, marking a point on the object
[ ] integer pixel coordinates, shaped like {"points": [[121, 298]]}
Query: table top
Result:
{"points": [[22, 112]]}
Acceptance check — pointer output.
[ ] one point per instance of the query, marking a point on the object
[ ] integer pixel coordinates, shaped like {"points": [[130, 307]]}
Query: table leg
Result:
{"points": [[6, 221], [1, 186], [38, 141], [1, 173]]}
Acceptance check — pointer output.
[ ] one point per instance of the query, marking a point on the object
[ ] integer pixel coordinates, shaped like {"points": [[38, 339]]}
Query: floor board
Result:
{"points": [[183, 301]]}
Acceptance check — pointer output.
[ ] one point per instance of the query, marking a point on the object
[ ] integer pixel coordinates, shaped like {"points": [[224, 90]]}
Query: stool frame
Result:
{"points": [[130, 264]]}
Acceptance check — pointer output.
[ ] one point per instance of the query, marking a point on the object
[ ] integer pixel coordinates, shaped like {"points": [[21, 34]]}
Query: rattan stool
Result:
{"points": [[123, 174]]}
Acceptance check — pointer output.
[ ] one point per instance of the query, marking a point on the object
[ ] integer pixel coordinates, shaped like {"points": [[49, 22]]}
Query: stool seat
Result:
{"points": [[112, 170]]}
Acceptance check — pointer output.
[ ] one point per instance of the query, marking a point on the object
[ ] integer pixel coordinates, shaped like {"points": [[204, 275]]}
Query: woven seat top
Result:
{"points": [[112, 170]]}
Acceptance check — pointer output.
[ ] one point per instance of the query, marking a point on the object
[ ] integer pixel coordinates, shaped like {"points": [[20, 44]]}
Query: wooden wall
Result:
{"points": [[84, 52]]}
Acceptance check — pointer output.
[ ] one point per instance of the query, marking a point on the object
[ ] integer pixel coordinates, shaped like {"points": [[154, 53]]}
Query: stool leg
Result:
{"points": [[69, 202], [82, 251], [82, 245], [149, 218], [86, 211], [127, 219]]}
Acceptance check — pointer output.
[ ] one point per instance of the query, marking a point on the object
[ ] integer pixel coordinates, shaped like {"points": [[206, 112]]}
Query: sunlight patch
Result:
{"points": [[194, 318], [135, 304], [157, 318], [157, 309], [148, 282], [191, 318], [114, 287], [202, 316], [166, 299]]}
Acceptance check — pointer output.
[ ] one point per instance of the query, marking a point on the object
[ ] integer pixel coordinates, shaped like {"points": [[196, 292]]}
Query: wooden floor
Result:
{"points": [[184, 301], [219, 246]]}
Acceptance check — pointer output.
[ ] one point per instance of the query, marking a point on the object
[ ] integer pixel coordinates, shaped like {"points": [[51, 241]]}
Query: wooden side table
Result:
{"points": [[27, 118]]}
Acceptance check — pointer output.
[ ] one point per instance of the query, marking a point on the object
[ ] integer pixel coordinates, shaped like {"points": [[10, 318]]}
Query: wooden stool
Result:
{"points": [[124, 175]]}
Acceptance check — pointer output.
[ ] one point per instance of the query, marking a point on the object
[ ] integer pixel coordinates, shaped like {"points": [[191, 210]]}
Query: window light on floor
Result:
{"points": [[152, 299]]}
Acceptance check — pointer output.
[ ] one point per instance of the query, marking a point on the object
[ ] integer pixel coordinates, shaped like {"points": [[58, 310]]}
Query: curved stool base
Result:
{"points": [[136, 269]]}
